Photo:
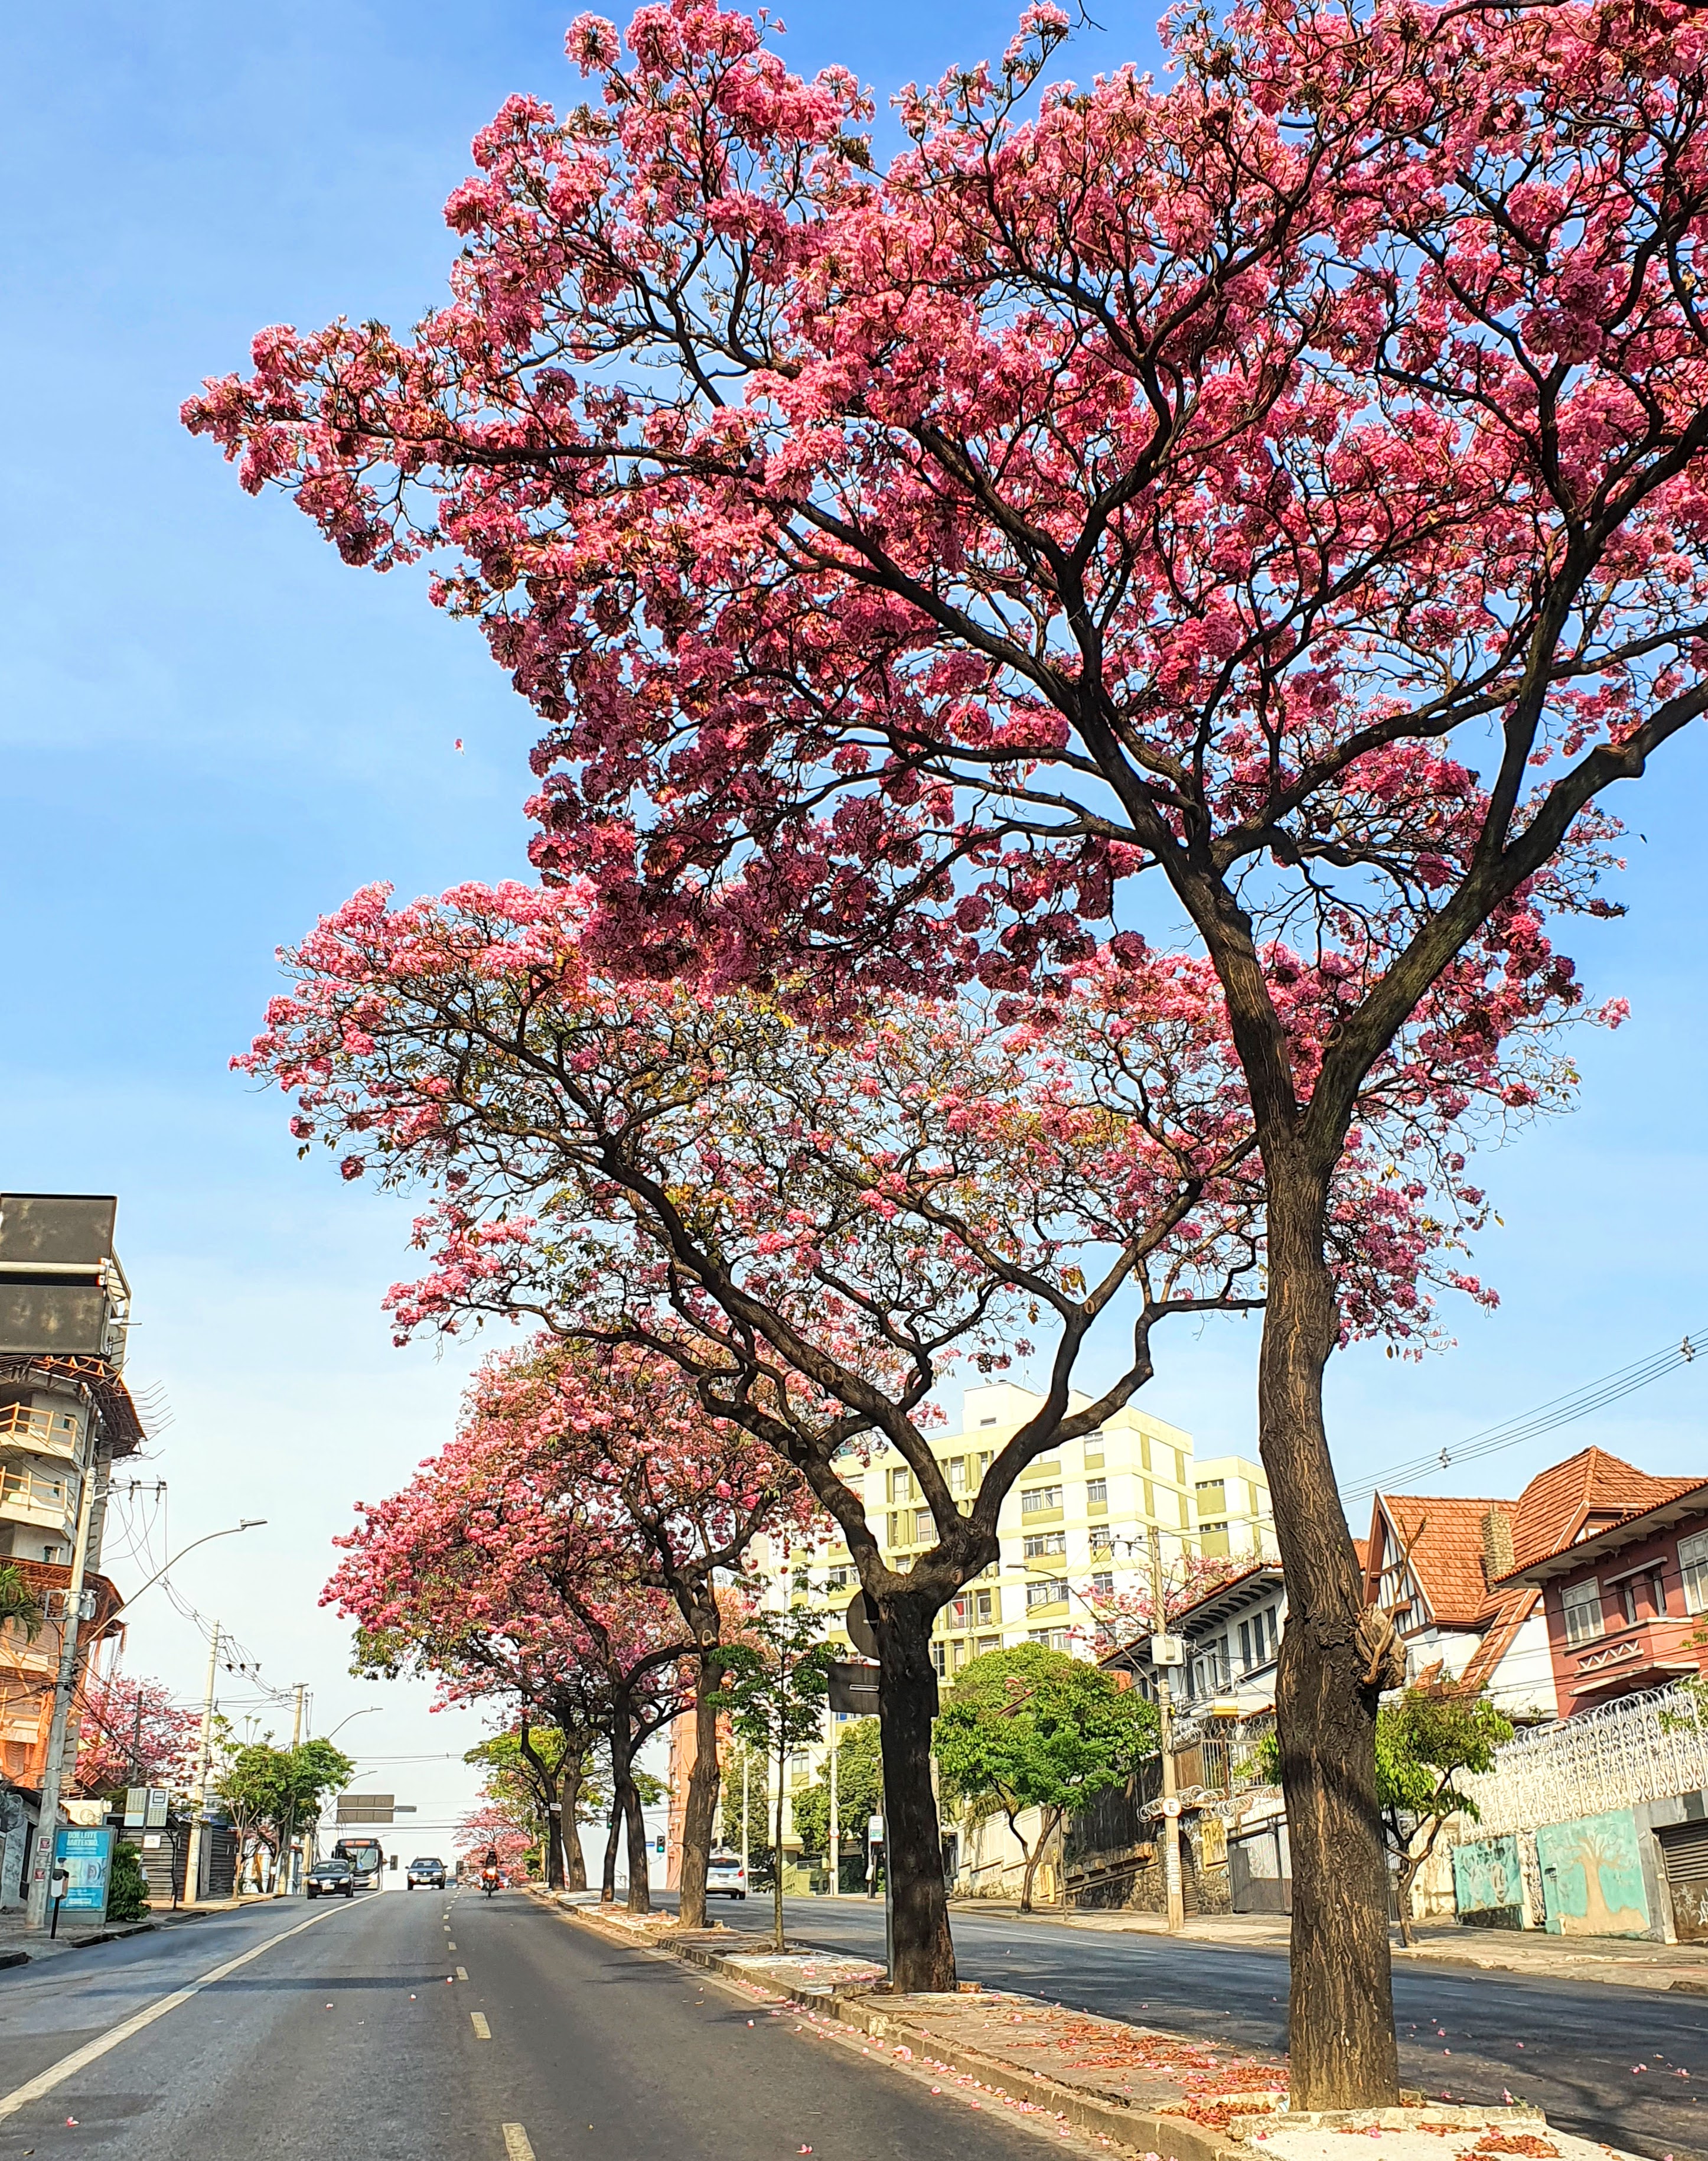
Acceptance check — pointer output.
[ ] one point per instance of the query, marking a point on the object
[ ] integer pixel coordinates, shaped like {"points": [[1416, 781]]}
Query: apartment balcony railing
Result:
{"points": [[37, 1498], [42, 1432]]}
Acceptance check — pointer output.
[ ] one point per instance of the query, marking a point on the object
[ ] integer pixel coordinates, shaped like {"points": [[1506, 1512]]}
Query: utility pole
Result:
{"points": [[746, 1767], [835, 1820], [65, 1686], [292, 1845], [204, 1757], [1165, 1708]]}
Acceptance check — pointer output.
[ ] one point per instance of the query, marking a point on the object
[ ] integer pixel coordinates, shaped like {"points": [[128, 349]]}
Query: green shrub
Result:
{"points": [[127, 1900]]}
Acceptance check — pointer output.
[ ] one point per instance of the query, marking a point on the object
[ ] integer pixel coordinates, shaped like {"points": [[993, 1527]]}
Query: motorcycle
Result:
{"points": [[489, 1880]]}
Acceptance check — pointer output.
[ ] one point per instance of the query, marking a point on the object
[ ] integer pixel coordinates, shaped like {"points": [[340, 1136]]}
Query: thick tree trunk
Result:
{"points": [[922, 1946], [1342, 2050], [551, 1793], [699, 1815], [569, 1821], [640, 1885]]}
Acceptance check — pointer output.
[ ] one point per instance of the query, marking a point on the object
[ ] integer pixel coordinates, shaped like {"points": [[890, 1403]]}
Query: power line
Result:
{"points": [[1546, 1418]]}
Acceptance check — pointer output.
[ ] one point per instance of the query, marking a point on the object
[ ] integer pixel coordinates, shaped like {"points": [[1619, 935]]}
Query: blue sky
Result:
{"points": [[210, 729]]}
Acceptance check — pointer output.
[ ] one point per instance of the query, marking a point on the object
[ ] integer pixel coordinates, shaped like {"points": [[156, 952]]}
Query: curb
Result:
{"points": [[1110, 2116]]}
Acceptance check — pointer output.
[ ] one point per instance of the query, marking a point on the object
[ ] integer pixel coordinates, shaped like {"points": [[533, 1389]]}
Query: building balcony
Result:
{"points": [[1643, 1655], [26, 1427], [40, 1500]]}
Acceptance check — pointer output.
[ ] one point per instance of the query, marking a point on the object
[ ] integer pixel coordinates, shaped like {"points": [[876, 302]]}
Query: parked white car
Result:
{"points": [[725, 1877]]}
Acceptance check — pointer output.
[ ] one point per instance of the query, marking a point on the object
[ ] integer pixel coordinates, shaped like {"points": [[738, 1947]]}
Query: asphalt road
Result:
{"points": [[1600, 2058], [343, 2040]]}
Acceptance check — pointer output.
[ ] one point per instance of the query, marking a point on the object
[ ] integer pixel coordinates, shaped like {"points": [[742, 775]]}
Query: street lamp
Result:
{"points": [[246, 1524], [343, 1722]]}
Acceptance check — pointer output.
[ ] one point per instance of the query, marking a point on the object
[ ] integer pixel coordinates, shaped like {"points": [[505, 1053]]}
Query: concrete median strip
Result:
{"points": [[44, 2083]]}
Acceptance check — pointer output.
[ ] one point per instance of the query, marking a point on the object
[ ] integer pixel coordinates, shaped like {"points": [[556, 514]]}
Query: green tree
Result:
{"points": [[774, 1689], [127, 1892], [859, 1788], [1425, 1742], [270, 1793], [533, 1771], [19, 1603], [1031, 1728]]}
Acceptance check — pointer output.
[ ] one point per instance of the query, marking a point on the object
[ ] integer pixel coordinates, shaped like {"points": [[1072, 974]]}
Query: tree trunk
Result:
{"points": [[777, 1870], [1342, 2046], [639, 1884], [1028, 1871], [922, 1950], [699, 1816], [569, 1821], [551, 1800], [608, 1881]]}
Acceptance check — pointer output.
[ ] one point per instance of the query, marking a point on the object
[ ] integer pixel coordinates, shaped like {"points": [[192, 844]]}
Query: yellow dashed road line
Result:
{"points": [[483, 2032], [516, 2143]]}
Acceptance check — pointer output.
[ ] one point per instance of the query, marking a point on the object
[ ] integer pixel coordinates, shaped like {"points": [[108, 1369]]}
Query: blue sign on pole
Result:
{"points": [[87, 1857]]}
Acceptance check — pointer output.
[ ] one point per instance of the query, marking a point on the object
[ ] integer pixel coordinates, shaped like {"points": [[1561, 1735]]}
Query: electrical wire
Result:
{"points": [[1546, 1418]]}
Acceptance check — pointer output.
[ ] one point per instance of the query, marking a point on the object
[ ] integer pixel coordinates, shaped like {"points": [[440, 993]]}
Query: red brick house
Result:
{"points": [[1620, 1561]]}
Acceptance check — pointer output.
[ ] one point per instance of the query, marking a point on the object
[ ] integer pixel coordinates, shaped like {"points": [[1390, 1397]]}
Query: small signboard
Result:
{"points": [[861, 1622], [136, 1807], [159, 1801], [87, 1857], [853, 1688]]}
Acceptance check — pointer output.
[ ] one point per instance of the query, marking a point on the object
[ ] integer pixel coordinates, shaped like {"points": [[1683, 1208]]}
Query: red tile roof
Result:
{"points": [[1554, 1509], [1510, 1615], [1443, 1535]]}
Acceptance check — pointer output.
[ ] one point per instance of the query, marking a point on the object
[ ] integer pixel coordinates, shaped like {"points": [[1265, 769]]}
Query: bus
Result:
{"points": [[365, 1858]]}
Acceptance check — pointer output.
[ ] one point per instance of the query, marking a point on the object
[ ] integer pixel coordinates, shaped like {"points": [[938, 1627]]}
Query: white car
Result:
{"points": [[725, 1877]]}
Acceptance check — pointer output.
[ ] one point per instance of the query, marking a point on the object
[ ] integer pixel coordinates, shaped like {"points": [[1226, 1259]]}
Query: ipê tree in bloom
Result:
{"points": [[1286, 484], [131, 1733], [622, 1438], [475, 1574], [821, 1228]]}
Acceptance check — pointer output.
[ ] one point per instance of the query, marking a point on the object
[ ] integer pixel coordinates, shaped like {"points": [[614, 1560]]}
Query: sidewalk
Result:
{"points": [[1631, 1961], [1164, 2096]]}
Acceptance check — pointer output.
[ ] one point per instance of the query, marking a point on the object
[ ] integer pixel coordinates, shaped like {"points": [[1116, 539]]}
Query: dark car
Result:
{"points": [[327, 1878], [429, 1871]]}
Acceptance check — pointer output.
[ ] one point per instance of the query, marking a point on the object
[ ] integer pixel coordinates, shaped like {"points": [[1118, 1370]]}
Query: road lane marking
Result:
{"points": [[516, 2143], [483, 2032], [462, 1973], [44, 2083], [450, 1947]]}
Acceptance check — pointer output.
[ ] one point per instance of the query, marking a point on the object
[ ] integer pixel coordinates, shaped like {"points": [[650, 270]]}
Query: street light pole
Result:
{"points": [[1165, 1711], [204, 1757], [44, 1859], [835, 1820], [231, 1531]]}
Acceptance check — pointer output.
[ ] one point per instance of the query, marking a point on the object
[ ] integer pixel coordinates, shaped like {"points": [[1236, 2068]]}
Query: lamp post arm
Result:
{"points": [[231, 1531]]}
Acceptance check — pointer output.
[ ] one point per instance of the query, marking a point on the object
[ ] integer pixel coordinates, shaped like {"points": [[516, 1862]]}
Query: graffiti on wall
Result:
{"points": [[1488, 1878], [1592, 1876]]}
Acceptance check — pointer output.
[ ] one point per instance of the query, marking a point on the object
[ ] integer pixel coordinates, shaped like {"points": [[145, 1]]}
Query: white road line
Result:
{"points": [[56, 2074], [516, 2143], [483, 2032], [462, 1973]]}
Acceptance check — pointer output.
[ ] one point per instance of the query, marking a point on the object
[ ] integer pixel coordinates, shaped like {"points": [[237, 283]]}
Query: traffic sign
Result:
{"points": [[861, 1622]]}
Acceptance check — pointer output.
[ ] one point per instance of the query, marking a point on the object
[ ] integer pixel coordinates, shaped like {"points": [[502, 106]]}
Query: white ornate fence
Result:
{"points": [[1641, 1748]]}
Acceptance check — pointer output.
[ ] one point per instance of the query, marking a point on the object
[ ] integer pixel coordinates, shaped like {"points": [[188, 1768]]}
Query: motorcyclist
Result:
{"points": [[489, 1872]]}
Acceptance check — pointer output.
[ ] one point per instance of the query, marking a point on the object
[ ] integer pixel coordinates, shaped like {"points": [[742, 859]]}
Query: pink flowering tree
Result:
{"points": [[1284, 487], [821, 1229], [475, 1574], [131, 1733], [673, 1497]]}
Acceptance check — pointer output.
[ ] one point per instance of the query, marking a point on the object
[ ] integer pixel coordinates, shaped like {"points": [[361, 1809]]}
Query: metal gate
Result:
{"points": [[1260, 1869], [1684, 1849]]}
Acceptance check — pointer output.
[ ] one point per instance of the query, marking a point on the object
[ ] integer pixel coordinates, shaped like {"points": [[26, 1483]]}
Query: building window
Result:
{"points": [[839, 1578], [1040, 1543], [1581, 1603], [924, 1531], [958, 1474], [1212, 1494], [982, 1459], [989, 1643], [1212, 1541], [1103, 1539], [1093, 1452], [940, 1659], [1102, 1583], [1693, 1567], [1627, 1600], [1052, 1591], [984, 1605], [898, 1485], [955, 1616], [1657, 1594], [1052, 1639], [1035, 1499], [958, 1654], [989, 1421], [1097, 1493]]}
